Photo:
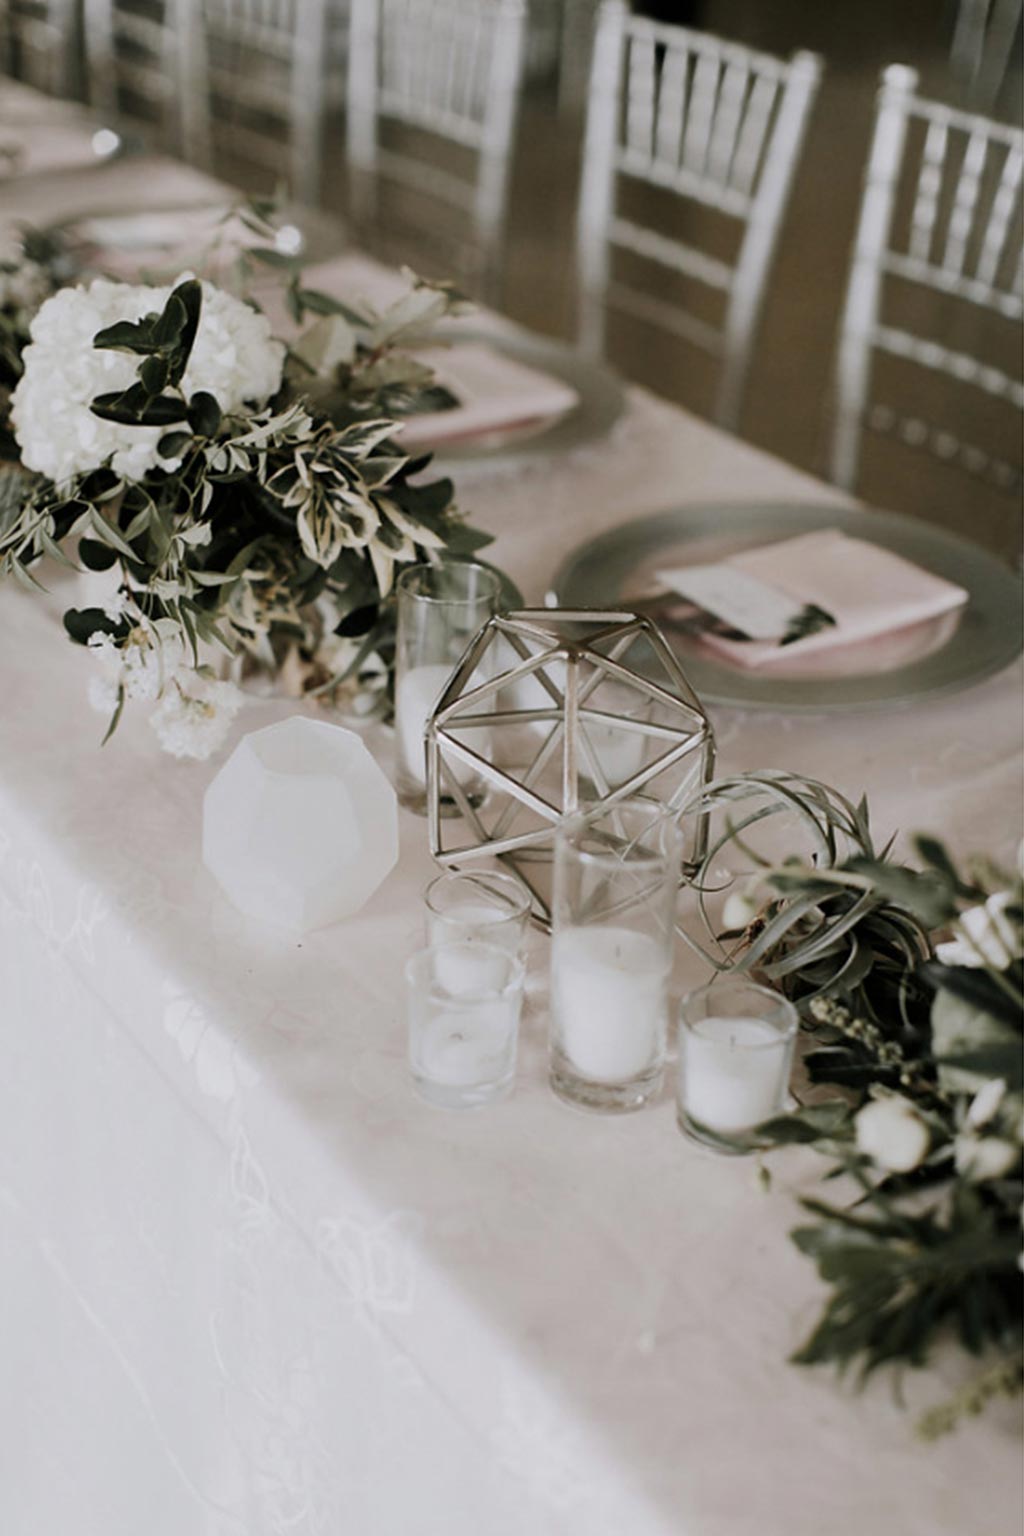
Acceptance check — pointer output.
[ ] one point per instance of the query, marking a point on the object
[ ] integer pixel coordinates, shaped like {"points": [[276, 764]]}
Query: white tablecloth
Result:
{"points": [[252, 1285]]}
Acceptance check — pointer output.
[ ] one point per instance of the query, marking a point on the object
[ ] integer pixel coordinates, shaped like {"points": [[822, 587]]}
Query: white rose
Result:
{"points": [[234, 358], [984, 1157], [892, 1134], [987, 936]]}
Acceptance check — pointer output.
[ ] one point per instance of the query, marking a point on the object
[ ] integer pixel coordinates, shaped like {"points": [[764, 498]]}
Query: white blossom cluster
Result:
{"points": [[234, 358], [193, 711]]}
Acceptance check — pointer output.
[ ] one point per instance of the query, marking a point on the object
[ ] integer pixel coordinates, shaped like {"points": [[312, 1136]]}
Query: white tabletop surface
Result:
{"points": [[260, 1288]]}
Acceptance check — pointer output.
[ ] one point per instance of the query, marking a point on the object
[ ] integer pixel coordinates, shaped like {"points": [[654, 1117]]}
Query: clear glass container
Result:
{"points": [[464, 1002], [440, 609], [615, 883], [478, 906], [736, 1043]]}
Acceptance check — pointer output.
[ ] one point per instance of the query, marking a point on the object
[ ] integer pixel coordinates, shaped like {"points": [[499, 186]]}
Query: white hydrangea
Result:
{"points": [[194, 715], [234, 357]]}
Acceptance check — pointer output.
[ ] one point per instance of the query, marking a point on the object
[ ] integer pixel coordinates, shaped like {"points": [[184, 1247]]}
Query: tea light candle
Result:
{"points": [[461, 1049], [464, 1002], [619, 753], [733, 1072], [609, 1000], [467, 969], [415, 699]]}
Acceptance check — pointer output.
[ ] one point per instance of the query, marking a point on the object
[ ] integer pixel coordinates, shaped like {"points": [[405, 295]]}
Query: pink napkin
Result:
{"points": [[869, 591], [495, 393]]}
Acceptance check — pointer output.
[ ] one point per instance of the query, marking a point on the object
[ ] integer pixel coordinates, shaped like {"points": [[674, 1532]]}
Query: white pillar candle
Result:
{"points": [[467, 1047], [415, 699], [609, 1000], [619, 752], [733, 1072]]}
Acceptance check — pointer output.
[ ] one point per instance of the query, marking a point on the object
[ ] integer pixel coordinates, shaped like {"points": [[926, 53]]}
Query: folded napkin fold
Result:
{"points": [[867, 590], [495, 393]]}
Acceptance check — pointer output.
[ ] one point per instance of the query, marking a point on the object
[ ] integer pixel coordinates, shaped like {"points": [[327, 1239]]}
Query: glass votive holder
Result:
{"points": [[736, 1043], [615, 882], [477, 906], [464, 1002], [440, 608]]}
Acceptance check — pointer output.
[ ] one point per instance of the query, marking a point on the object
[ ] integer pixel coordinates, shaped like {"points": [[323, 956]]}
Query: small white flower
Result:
{"points": [[140, 665], [892, 1134], [984, 1157], [194, 715], [986, 936], [102, 693], [985, 1103], [739, 911]]}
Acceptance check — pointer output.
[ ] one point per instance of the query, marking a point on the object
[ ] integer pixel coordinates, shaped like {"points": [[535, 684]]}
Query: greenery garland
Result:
{"points": [[920, 1043]]}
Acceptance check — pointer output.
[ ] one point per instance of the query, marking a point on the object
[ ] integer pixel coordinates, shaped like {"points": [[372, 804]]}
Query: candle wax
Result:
{"points": [[465, 1048], [466, 969], [608, 995], [619, 753], [733, 1073], [468, 920], [415, 699]]}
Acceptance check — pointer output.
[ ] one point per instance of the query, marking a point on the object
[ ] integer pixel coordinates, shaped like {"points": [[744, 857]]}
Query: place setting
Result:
{"points": [[808, 608]]}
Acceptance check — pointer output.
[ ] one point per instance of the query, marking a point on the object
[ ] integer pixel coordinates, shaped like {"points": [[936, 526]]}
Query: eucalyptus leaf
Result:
{"points": [[96, 556], [82, 623], [204, 413]]}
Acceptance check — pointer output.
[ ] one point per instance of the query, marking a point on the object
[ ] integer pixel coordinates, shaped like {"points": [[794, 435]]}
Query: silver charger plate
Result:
{"points": [[600, 404], [926, 660]]}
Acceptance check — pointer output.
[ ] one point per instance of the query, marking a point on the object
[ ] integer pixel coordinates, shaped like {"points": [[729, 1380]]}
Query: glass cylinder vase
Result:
{"points": [[440, 609], [615, 884]]}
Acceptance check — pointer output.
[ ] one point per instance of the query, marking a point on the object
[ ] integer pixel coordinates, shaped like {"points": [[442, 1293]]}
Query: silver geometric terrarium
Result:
{"points": [[550, 713]]}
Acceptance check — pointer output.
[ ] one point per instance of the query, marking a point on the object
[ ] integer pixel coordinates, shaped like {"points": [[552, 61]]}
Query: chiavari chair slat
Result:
{"points": [[963, 244], [451, 71], [717, 125]]}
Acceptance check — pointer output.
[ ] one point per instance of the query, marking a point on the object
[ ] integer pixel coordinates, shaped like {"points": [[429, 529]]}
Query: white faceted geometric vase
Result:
{"points": [[300, 826]]}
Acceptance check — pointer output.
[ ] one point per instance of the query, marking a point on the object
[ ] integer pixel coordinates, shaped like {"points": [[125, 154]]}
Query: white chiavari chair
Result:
{"points": [[273, 70], [39, 43], [446, 75], [146, 67], [932, 324], [719, 127]]}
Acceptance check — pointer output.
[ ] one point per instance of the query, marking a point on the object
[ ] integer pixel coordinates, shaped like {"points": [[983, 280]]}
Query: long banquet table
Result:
{"points": [[251, 1286]]}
